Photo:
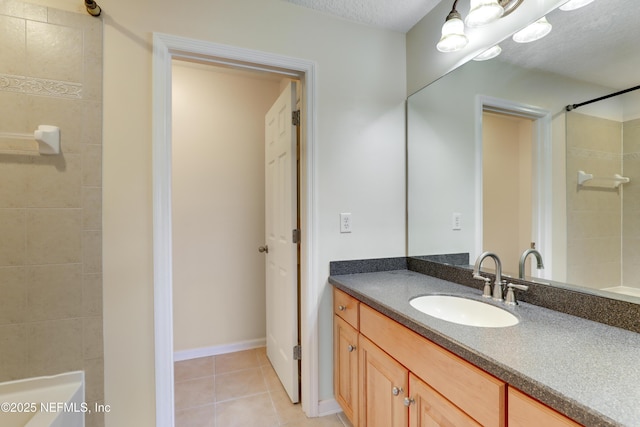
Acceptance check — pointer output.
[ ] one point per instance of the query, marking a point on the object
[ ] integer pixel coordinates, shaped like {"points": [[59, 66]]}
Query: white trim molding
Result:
{"points": [[542, 171], [215, 350], [165, 49]]}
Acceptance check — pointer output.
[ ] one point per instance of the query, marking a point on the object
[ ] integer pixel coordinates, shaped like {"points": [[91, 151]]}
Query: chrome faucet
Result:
{"points": [[523, 259], [497, 285]]}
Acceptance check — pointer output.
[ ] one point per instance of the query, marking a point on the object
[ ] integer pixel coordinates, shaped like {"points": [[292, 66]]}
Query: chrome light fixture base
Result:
{"points": [[509, 6]]}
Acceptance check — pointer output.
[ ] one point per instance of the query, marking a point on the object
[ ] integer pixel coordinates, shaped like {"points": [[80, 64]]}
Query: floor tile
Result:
{"points": [[326, 421], [194, 368], [238, 389], [345, 420], [201, 416], [239, 384], [263, 360], [236, 361], [287, 412], [196, 392], [255, 411]]}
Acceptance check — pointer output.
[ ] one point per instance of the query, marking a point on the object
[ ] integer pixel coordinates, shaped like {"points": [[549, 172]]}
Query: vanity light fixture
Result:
{"points": [[481, 12], [533, 32], [574, 4], [492, 52], [453, 37]]}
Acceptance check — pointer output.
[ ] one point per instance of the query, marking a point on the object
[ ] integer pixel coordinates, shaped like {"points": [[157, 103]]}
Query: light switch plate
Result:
{"points": [[456, 221]]}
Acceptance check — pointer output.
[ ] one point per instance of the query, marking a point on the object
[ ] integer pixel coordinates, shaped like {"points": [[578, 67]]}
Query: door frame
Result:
{"points": [[542, 172], [165, 49]]}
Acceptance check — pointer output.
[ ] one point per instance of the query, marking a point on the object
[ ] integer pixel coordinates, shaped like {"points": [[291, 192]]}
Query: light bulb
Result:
{"points": [[453, 37], [533, 32], [490, 53], [483, 12]]}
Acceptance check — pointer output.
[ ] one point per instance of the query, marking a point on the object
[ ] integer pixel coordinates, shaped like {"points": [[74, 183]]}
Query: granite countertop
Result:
{"points": [[584, 369]]}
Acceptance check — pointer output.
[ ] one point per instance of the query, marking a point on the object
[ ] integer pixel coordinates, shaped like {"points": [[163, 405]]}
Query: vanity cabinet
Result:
{"points": [[527, 412], [467, 388], [345, 353], [404, 379]]}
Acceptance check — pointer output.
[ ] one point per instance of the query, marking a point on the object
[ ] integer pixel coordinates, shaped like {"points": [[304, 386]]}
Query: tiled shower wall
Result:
{"points": [[631, 205], [50, 206], [594, 145]]}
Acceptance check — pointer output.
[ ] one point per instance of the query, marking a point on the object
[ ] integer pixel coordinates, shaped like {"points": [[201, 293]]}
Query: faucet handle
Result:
{"points": [[487, 285], [511, 296]]}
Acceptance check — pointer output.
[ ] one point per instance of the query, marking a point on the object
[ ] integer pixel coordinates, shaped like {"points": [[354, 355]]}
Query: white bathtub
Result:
{"points": [[55, 401]]}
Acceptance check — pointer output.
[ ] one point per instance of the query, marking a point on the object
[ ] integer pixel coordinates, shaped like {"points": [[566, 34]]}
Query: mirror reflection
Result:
{"points": [[497, 163]]}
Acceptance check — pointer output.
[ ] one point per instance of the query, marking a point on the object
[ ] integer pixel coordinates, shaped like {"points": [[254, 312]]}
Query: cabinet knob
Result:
{"points": [[396, 391], [351, 348], [342, 308], [408, 401]]}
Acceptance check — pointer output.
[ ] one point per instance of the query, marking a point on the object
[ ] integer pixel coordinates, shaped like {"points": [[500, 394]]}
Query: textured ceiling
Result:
{"points": [[398, 15], [598, 43]]}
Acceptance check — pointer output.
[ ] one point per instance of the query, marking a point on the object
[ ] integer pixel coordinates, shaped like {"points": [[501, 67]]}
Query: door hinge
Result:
{"points": [[296, 235], [297, 352], [295, 118]]}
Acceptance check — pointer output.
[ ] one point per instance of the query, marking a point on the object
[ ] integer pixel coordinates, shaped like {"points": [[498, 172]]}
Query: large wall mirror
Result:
{"points": [[497, 163]]}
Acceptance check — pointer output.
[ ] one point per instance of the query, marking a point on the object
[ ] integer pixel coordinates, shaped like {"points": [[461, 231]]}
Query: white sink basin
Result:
{"points": [[463, 311]]}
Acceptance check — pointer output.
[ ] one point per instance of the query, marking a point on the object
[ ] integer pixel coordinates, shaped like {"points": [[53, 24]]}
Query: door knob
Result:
{"points": [[264, 248]]}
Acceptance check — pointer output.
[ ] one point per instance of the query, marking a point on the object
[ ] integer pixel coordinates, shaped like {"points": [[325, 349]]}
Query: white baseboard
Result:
{"points": [[328, 407], [218, 349]]}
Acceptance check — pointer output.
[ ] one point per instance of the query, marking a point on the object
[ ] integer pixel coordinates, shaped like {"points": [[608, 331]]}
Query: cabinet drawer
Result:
{"points": [[525, 411], [346, 307], [477, 393]]}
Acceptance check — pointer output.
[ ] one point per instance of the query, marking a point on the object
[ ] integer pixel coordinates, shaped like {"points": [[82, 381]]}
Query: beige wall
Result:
{"points": [[50, 206], [507, 185], [218, 205]]}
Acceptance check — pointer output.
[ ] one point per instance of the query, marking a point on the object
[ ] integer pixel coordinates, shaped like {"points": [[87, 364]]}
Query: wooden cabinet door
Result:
{"points": [[525, 411], [429, 409], [345, 370], [383, 387]]}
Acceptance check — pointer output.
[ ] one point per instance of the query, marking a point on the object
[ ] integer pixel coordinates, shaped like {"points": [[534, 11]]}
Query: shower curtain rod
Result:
{"points": [[574, 106]]}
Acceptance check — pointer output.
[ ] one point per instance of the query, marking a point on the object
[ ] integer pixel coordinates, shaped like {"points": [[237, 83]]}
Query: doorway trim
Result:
{"points": [[165, 49], [542, 171]]}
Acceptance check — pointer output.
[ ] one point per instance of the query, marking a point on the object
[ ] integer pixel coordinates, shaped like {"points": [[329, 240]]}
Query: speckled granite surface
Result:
{"points": [[584, 369]]}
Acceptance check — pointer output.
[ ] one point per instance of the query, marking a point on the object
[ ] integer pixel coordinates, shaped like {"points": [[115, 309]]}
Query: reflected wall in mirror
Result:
{"points": [[586, 234], [602, 211]]}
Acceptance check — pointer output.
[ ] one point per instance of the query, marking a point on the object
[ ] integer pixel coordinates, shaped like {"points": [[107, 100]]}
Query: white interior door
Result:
{"points": [[281, 220]]}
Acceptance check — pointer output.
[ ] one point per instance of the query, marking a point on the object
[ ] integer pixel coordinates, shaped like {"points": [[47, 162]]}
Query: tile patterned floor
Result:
{"points": [[238, 390]]}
